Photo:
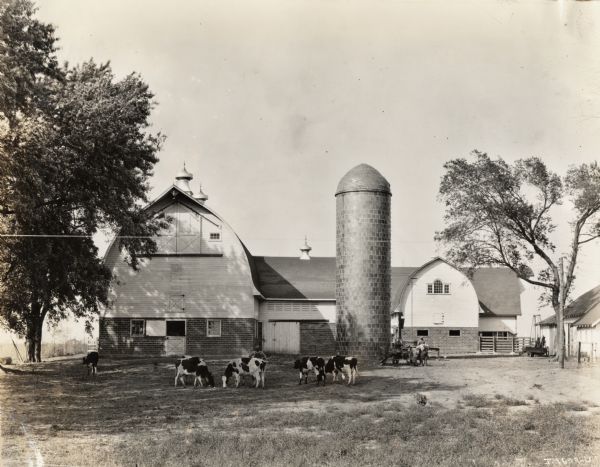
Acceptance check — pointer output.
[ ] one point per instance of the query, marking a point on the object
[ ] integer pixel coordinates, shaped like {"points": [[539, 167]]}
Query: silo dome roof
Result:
{"points": [[363, 177]]}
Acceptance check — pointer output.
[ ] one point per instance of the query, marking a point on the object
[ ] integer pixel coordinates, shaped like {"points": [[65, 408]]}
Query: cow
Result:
{"points": [[245, 366], [307, 364], [193, 366], [91, 361], [342, 364]]}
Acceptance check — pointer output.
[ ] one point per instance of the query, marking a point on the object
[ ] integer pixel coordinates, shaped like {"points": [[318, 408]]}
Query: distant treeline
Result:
{"points": [[49, 349]]}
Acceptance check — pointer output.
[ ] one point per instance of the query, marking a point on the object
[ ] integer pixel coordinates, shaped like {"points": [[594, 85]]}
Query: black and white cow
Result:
{"points": [[345, 366], [307, 364], [252, 366], [91, 361], [193, 366]]}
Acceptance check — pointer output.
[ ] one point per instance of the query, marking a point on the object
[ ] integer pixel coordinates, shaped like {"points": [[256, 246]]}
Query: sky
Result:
{"points": [[270, 103]]}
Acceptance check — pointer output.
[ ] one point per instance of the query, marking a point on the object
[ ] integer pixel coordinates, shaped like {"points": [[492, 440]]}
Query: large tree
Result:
{"points": [[502, 214], [75, 157]]}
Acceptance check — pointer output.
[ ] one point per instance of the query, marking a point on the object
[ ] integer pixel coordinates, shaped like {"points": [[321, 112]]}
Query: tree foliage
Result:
{"points": [[502, 214], [75, 156]]}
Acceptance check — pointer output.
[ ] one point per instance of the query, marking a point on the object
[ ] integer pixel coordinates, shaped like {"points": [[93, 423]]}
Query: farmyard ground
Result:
{"points": [[501, 411]]}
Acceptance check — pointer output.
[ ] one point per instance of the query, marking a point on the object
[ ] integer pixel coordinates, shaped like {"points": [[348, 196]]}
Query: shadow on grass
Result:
{"points": [[130, 394]]}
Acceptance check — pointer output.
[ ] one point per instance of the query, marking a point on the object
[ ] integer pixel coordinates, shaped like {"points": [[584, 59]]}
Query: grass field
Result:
{"points": [[506, 411]]}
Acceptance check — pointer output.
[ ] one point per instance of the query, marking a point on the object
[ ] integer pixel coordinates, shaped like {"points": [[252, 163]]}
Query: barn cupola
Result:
{"points": [[182, 180], [305, 250], [201, 197]]}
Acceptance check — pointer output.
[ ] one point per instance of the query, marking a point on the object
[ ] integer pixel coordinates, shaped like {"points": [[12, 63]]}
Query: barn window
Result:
{"points": [[137, 327], [215, 236], [422, 332], [454, 332], [213, 328], [438, 287]]}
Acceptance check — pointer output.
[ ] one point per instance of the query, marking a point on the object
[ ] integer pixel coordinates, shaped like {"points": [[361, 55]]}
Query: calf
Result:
{"points": [[245, 366], [91, 361], [342, 364], [193, 366], [307, 364]]}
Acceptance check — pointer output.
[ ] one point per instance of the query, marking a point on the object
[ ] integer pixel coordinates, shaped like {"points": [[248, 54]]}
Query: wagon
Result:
{"points": [[402, 352], [532, 351]]}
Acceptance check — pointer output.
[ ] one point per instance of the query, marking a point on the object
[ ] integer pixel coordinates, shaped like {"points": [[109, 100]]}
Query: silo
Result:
{"points": [[363, 264]]}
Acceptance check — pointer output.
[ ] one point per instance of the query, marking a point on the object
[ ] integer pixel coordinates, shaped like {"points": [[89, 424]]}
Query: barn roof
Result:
{"points": [[290, 278], [498, 290], [585, 309], [400, 278], [284, 277]]}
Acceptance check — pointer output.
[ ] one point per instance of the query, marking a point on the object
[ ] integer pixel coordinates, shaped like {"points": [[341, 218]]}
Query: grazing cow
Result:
{"points": [[252, 366], [91, 361], [307, 364], [193, 366], [341, 364]]}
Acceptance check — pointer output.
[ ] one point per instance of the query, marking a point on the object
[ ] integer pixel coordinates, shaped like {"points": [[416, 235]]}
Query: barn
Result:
{"points": [[455, 312], [194, 296], [204, 293], [582, 325]]}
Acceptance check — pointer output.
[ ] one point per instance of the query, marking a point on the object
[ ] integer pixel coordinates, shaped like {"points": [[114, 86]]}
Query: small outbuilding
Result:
{"points": [[581, 322]]}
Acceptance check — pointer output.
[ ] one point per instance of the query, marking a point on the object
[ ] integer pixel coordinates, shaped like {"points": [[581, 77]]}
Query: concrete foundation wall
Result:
{"points": [[468, 342], [236, 340]]}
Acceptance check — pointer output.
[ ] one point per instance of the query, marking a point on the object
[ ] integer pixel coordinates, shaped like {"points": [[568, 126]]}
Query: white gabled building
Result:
{"points": [[440, 303], [582, 324]]}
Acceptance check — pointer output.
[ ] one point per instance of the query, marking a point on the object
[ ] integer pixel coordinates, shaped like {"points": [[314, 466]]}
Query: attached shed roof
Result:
{"points": [[498, 290], [289, 278], [283, 277], [585, 309]]}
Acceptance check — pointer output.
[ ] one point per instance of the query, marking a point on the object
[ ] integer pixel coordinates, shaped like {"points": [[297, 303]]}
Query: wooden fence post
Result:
{"points": [[579, 352], [494, 346]]}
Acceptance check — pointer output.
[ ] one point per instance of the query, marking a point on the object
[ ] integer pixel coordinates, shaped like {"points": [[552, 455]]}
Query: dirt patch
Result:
{"points": [[131, 411]]}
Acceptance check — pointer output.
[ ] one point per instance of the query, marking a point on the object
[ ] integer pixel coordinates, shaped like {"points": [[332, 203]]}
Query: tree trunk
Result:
{"points": [[560, 337], [38, 341], [559, 310], [33, 340], [30, 344]]}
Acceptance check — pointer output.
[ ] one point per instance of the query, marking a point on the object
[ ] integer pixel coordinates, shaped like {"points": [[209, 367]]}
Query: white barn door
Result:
{"points": [[282, 337]]}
